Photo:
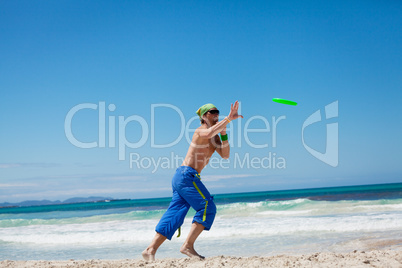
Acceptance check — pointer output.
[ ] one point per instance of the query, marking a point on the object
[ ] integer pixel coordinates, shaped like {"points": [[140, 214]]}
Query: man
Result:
{"points": [[188, 190]]}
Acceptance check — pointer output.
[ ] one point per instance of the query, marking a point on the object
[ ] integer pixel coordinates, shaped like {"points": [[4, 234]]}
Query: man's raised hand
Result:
{"points": [[234, 111]]}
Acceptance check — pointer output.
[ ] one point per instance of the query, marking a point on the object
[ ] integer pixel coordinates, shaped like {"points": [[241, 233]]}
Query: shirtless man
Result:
{"points": [[188, 190]]}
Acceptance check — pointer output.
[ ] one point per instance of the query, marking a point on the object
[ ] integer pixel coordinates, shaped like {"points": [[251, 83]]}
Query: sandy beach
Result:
{"points": [[376, 258]]}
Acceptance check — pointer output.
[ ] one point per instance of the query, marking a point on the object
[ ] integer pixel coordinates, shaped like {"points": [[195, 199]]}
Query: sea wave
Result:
{"points": [[143, 230], [308, 207], [296, 207], [265, 218], [129, 216]]}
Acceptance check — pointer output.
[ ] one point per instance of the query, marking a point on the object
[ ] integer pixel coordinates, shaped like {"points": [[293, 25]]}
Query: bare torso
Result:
{"points": [[200, 150]]}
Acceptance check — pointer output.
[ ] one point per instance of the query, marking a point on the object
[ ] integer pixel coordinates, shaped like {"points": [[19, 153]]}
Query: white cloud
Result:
{"points": [[25, 165], [225, 177], [9, 165], [12, 185]]}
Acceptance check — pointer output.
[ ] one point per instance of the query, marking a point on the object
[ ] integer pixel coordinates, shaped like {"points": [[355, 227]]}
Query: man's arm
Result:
{"points": [[222, 147], [208, 133], [218, 127]]}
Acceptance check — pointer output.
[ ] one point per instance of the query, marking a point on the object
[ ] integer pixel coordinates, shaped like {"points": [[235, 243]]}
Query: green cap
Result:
{"points": [[205, 108]]}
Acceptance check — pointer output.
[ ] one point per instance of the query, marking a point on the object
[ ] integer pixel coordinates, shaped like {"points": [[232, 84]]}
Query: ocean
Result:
{"points": [[337, 219]]}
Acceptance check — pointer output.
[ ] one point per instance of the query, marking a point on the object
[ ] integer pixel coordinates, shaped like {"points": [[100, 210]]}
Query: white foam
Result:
{"points": [[285, 213], [105, 232], [263, 225]]}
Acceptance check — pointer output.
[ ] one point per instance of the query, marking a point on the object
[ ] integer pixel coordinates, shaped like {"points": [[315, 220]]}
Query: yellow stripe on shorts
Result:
{"points": [[204, 217]]}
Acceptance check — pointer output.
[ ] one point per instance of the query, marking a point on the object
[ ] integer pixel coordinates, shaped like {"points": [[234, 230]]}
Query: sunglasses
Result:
{"points": [[213, 112]]}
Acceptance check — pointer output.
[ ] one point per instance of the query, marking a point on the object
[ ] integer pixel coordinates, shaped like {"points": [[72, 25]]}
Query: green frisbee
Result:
{"points": [[283, 101]]}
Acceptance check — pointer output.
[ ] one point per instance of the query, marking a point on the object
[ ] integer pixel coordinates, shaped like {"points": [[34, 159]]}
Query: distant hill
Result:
{"points": [[57, 202], [88, 199]]}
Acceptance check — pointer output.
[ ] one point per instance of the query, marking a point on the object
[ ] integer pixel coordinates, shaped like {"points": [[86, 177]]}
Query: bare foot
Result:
{"points": [[189, 251], [148, 256]]}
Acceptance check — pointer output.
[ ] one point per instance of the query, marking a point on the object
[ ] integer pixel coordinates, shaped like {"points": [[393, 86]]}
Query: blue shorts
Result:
{"points": [[188, 190]]}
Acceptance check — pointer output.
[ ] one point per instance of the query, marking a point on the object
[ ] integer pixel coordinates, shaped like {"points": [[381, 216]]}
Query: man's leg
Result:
{"points": [[174, 216], [171, 220], [188, 247], [149, 253], [201, 201]]}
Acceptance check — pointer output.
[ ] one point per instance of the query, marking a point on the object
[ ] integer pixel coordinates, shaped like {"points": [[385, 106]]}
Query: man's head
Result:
{"points": [[208, 113]]}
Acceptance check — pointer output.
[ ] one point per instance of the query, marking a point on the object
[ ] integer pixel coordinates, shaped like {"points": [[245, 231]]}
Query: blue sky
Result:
{"points": [[136, 55]]}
